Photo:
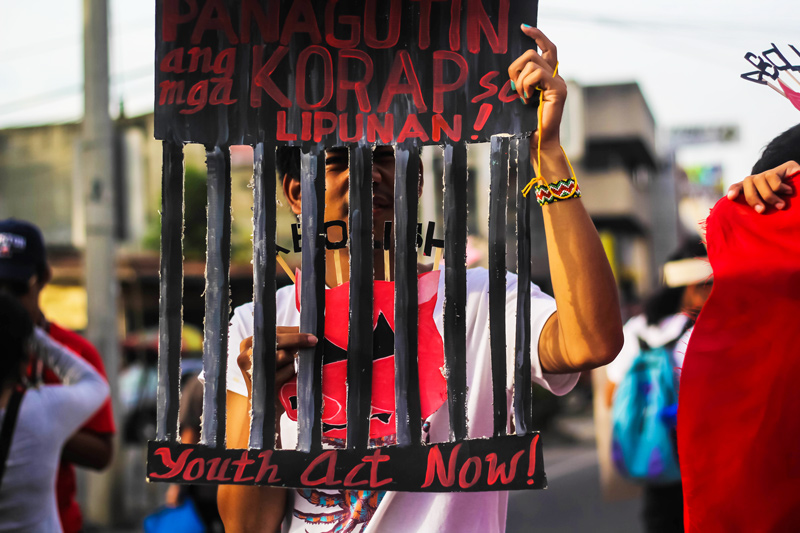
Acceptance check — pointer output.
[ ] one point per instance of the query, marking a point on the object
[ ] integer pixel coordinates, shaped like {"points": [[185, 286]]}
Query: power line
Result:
{"points": [[636, 24], [62, 92], [73, 40], [39, 99]]}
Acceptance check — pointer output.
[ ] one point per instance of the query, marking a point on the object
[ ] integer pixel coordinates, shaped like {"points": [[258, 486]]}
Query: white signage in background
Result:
{"points": [[688, 135]]}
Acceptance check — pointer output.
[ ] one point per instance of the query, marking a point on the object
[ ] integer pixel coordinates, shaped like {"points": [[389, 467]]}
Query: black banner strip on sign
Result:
{"points": [[408, 413], [359, 344], [455, 288], [262, 425], [170, 306], [217, 295], [522, 362], [498, 201], [312, 301], [502, 463]]}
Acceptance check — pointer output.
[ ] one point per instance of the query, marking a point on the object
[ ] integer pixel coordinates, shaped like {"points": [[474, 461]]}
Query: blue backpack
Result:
{"points": [[642, 418]]}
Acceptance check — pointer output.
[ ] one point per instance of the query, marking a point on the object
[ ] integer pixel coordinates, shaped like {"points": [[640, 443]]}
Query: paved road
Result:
{"points": [[572, 502]]}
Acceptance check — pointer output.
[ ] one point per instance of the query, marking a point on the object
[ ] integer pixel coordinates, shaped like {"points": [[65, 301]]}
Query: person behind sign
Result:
{"points": [[580, 330], [24, 272], [668, 314], [46, 417]]}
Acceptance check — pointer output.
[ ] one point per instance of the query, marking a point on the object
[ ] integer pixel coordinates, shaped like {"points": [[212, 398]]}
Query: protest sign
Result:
{"points": [[354, 74]]}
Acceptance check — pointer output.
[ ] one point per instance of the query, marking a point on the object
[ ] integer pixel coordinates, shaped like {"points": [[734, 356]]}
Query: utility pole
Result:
{"points": [[100, 258]]}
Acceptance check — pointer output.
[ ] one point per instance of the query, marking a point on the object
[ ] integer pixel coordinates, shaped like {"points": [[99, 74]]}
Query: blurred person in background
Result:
{"points": [[36, 422], [668, 315], [24, 272], [203, 496]]}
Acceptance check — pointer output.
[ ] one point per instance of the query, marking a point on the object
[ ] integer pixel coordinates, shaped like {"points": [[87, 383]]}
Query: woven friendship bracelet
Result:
{"points": [[548, 193]]}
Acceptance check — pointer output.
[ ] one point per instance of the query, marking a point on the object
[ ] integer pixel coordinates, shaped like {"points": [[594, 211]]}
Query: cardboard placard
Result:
{"points": [[337, 71], [320, 74], [500, 463], [770, 64]]}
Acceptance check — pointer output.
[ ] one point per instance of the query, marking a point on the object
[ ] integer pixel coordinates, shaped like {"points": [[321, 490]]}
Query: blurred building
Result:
{"points": [[628, 189], [40, 180]]}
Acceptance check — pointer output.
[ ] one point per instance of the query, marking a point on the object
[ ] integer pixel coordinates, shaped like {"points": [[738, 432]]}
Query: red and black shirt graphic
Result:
{"points": [[433, 386]]}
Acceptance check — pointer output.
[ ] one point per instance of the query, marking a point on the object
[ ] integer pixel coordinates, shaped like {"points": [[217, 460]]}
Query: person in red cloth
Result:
{"points": [[24, 272], [738, 424]]}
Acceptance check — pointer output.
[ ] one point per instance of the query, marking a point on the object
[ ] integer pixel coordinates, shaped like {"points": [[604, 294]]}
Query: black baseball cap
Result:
{"points": [[22, 253]]}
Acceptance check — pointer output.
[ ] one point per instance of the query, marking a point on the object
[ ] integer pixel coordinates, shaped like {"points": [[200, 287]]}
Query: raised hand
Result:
{"points": [[534, 70], [289, 343], [765, 188]]}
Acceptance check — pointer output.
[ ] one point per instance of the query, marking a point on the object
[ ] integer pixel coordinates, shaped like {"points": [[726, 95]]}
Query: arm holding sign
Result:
{"points": [[586, 331], [252, 508]]}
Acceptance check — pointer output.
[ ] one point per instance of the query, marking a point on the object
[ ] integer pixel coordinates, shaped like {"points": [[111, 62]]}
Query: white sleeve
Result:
{"points": [[237, 332], [239, 328], [679, 354], [542, 308], [83, 389]]}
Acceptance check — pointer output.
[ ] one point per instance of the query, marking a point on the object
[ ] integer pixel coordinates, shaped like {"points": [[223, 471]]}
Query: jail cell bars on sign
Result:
{"points": [[501, 463]]}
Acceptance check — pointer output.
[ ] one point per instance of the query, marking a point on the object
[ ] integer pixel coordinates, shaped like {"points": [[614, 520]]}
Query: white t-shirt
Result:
{"points": [[655, 335], [425, 512]]}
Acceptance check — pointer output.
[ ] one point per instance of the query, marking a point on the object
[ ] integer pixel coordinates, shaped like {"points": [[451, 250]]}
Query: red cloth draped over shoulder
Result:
{"points": [[739, 408]]}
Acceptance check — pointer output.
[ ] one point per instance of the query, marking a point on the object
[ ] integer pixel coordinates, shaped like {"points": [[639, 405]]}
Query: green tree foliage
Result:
{"points": [[195, 221]]}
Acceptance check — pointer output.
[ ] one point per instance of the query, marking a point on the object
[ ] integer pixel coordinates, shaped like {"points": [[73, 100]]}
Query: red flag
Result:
{"points": [[793, 96], [739, 408]]}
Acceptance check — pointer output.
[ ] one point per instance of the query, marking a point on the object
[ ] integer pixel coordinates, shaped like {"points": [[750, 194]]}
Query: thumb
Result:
{"points": [[789, 169], [734, 190], [244, 361]]}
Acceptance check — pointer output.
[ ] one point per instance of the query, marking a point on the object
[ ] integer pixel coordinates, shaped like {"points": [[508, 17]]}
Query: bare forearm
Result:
{"points": [[247, 509], [89, 450], [251, 509], [589, 325]]}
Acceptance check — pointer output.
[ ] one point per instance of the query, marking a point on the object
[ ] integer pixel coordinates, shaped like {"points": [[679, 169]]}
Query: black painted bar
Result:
{"points": [[511, 227], [262, 424], [498, 202], [170, 306], [522, 361], [455, 288], [408, 413], [312, 301], [359, 344], [217, 295]]}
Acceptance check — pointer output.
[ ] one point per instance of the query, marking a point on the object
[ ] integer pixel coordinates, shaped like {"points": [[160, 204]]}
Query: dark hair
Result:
{"points": [[14, 288], [666, 301], [287, 160], [785, 147], [16, 329]]}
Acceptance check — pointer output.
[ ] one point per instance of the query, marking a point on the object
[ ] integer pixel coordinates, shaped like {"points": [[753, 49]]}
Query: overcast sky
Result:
{"points": [[686, 55]]}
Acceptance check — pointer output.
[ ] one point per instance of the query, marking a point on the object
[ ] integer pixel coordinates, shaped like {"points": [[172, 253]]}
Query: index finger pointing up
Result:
{"points": [[549, 52]]}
